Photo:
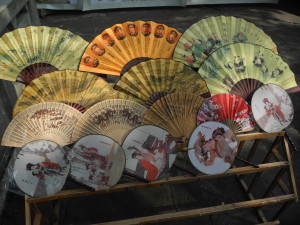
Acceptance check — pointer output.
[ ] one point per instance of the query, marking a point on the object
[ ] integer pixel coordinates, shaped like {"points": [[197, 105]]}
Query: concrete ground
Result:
{"points": [[281, 22]]}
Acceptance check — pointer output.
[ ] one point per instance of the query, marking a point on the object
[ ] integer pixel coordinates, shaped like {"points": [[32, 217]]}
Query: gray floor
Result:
{"points": [[281, 22]]}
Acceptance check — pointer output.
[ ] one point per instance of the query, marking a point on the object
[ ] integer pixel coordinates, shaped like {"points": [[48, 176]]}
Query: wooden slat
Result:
{"points": [[270, 223], [259, 135], [27, 212]]}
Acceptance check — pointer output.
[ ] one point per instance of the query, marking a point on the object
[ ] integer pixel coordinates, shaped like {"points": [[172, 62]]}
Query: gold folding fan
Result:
{"points": [[121, 46], [51, 121], [113, 118], [27, 53], [241, 68], [207, 35], [176, 113], [148, 81], [78, 89]]}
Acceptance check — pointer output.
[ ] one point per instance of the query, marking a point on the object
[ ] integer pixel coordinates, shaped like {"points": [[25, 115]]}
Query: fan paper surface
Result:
{"points": [[42, 49], [97, 162], [213, 148], [49, 121], [113, 118], [148, 81], [241, 68], [272, 108], [41, 168], [150, 152], [207, 35], [229, 109], [128, 43], [67, 86], [176, 113]]}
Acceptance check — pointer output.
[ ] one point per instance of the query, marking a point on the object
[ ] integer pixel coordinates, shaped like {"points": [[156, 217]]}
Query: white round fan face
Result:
{"points": [[150, 152], [213, 147], [97, 162], [272, 108], [41, 168]]}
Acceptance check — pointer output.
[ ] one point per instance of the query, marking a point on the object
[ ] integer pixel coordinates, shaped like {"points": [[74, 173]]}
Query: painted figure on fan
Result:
{"points": [[274, 110], [45, 168]]}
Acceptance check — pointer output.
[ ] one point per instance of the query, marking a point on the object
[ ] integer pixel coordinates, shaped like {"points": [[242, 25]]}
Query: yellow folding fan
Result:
{"points": [[27, 53]]}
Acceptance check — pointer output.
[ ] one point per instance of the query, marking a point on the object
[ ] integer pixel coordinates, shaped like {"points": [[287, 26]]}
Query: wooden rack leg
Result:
{"points": [[37, 215], [27, 212]]}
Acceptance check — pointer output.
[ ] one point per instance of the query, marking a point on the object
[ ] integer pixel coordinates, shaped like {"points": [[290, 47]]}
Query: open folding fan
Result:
{"points": [[113, 118], [176, 113], [241, 68], [51, 121], [78, 89], [229, 109], [207, 35], [27, 53], [121, 46], [148, 81]]}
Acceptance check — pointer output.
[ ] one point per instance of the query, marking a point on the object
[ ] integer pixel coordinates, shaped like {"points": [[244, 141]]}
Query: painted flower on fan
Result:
{"points": [[239, 38], [189, 59]]}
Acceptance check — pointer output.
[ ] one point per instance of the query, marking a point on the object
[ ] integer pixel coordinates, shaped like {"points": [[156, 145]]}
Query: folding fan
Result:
{"points": [[148, 81], [241, 68], [113, 118], [27, 53], [229, 109], [51, 121], [123, 45], [78, 89], [207, 35], [176, 113]]}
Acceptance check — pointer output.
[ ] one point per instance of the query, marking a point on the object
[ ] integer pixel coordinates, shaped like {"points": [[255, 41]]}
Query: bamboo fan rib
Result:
{"points": [[124, 45], [51, 121], [149, 81], [113, 118], [240, 69], [81, 90], [27, 53], [207, 35]]}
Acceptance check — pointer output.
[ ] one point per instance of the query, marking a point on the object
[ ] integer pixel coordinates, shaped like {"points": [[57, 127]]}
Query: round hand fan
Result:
{"points": [[41, 168], [78, 89], [113, 118], [213, 147], [150, 152], [272, 108], [97, 161], [27, 53], [176, 113], [207, 35], [240, 69], [229, 109], [123, 45], [52, 121], [149, 81]]}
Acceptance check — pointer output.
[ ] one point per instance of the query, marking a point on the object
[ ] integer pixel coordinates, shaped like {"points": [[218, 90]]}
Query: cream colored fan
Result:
{"points": [[51, 121], [148, 81], [124, 45], [27, 53], [240, 69], [78, 89], [176, 113], [113, 118], [207, 35]]}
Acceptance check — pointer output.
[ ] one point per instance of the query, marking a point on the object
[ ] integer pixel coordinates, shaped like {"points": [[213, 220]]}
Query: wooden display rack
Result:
{"points": [[281, 166]]}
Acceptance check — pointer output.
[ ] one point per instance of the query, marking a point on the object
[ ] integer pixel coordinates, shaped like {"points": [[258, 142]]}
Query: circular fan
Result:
{"points": [[176, 113], [72, 87], [113, 118], [124, 45], [272, 108], [149, 81], [41, 168], [229, 109], [97, 162], [27, 53], [240, 68], [150, 152], [207, 35], [213, 147], [49, 120]]}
